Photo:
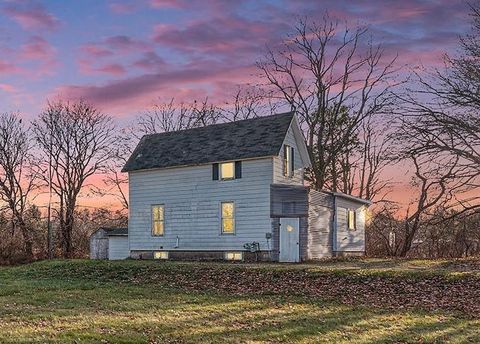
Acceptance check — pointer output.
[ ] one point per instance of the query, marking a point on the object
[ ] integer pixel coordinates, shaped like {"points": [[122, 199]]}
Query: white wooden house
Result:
{"points": [[235, 191]]}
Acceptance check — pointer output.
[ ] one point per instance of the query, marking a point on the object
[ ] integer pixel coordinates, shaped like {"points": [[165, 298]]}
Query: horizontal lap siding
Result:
{"points": [[118, 247], [192, 207], [320, 223], [350, 240]]}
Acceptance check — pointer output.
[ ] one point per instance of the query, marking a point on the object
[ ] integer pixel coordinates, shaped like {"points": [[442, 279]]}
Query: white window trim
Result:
{"points": [[220, 176], [234, 219], [152, 220]]}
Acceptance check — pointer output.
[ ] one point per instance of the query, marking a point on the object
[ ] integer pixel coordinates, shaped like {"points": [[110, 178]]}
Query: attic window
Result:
{"points": [[227, 170], [288, 161]]}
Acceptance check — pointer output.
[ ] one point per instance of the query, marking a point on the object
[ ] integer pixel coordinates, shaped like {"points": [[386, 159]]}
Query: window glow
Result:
{"points": [[351, 219], [234, 255], [158, 217], [228, 217], [160, 255], [287, 161], [227, 170]]}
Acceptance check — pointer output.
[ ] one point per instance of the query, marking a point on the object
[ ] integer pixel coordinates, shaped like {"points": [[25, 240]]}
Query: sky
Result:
{"points": [[123, 56]]}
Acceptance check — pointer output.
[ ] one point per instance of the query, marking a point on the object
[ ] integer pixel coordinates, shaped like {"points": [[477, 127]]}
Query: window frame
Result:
{"points": [[222, 232], [153, 220], [160, 255], [353, 220], [287, 161], [220, 174], [233, 256]]}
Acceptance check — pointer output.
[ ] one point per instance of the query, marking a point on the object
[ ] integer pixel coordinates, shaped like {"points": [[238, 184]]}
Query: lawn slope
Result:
{"points": [[362, 301]]}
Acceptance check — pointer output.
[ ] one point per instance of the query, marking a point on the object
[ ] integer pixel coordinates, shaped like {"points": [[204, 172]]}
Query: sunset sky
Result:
{"points": [[125, 55]]}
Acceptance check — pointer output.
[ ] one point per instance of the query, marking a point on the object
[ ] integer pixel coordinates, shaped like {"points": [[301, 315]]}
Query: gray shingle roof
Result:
{"points": [[251, 138], [115, 231]]}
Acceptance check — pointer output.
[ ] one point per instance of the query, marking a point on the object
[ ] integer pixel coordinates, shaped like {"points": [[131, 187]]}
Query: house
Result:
{"points": [[236, 191]]}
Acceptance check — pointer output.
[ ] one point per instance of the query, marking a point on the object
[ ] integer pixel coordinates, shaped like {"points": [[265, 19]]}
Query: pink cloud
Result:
{"points": [[112, 46], [9, 68], [167, 3], [95, 50], [150, 62], [135, 93], [216, 35], [122, 7], [7, 88], [37, 48], [125, 43], [32, 16], [109, 51], [112, 69]]}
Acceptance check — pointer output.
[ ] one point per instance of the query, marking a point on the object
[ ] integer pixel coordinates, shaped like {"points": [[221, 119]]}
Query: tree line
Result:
{"points": [[360, 113]]}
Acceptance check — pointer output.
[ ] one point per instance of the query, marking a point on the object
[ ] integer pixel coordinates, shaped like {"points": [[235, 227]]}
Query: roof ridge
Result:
{"points": [[220, 124]]}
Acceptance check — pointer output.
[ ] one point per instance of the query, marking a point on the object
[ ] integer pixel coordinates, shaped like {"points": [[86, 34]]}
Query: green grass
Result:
{"points": [[132, 301]]}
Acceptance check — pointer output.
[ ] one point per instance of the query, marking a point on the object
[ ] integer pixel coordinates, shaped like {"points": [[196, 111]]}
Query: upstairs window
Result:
{"points": [[288, 163], [227, 170], [228, 217], [158, 217], [352, 219]]}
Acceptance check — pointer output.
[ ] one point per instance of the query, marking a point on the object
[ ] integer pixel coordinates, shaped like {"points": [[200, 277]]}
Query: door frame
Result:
{"points": [[297, 255]]}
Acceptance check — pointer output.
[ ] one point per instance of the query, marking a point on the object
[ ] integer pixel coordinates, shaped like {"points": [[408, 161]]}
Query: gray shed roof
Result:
{"points": [[115, 231], [251, 138]]}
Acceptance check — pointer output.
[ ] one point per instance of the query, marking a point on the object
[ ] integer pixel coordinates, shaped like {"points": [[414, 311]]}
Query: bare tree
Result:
{"points": [[165, 117], [448, 125], [17, 178], [335, 79], [437, 180], [375, 155], [75, 139], [248, 102], [114, 181]]}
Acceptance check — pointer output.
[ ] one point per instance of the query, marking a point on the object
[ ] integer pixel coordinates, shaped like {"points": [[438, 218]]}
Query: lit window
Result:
{"points": [[160, 255], [233, 255], [228, 217], [158, 223], [288, 161], [227, 170], [351, 219]]}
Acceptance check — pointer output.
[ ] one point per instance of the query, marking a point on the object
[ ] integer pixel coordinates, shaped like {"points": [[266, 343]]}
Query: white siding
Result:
{"points": [[320, 225], [192, 207], [278, 173], [350, 240], [118, 247]]}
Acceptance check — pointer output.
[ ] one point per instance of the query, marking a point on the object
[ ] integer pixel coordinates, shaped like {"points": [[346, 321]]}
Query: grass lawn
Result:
{"points": [[172, 302]]}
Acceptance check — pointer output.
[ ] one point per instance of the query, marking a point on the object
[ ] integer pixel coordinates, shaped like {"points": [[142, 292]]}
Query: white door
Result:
{"points": [[289, 240]]}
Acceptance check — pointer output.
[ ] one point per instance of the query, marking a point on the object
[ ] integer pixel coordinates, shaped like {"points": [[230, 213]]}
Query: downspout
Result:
{"points": [[334, 234]]}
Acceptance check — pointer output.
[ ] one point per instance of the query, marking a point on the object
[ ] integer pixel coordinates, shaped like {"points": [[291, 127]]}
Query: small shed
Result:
{"points": [[109, 243]]}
